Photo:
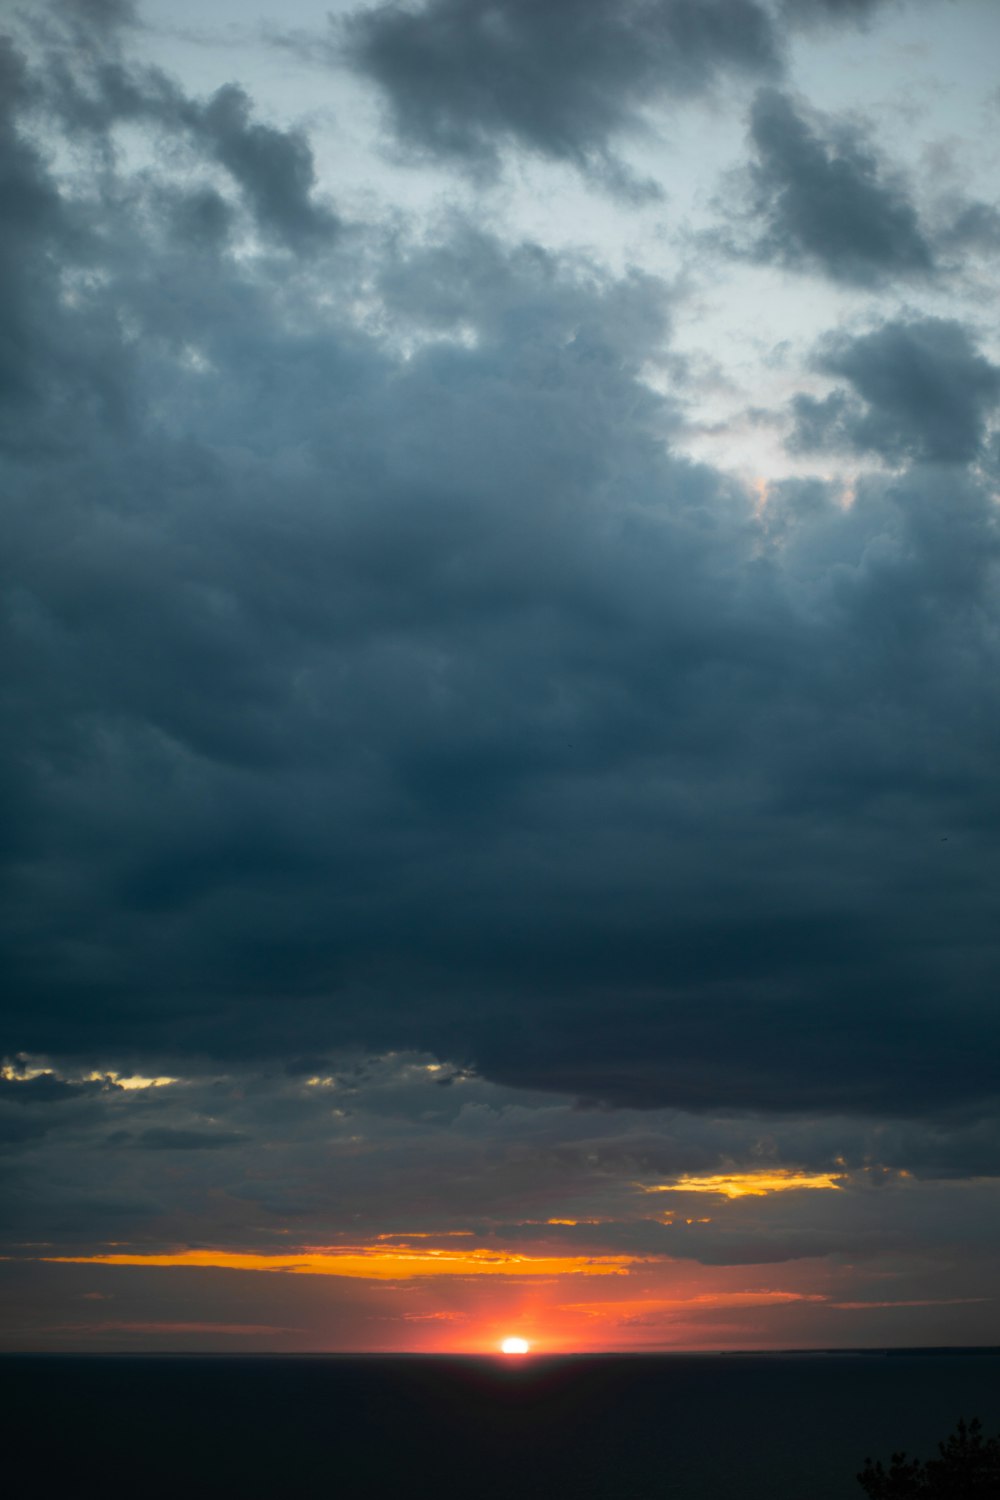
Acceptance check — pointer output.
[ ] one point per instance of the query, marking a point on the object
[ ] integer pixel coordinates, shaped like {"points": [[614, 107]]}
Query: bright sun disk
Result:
{"points": [[515, 1346]]}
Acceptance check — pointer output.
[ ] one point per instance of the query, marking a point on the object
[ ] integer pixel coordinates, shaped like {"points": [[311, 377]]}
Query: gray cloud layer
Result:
{"points": [[379, 676], [397, 1146]]}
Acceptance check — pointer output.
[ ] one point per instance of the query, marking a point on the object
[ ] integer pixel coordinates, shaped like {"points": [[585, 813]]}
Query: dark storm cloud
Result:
{"points": [[920, 391], [274, 167], [42, 1088], [32, 219], [382, 679], [94, 20], [93, 87], [166, 1138], [464, 78], [826, 201], [104, 15], [807, 12]]}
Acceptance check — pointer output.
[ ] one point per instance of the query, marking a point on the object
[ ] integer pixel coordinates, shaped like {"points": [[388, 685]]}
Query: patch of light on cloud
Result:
{"points": [[748, 1184]]}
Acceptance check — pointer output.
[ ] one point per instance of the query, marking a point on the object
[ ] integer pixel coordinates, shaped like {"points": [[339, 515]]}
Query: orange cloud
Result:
{"points": [[427, 1234], [747, 1184], [571, 1221], [372, 1263]]}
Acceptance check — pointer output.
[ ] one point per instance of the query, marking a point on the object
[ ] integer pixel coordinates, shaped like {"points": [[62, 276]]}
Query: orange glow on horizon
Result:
{"points": [[459, 1298], [514, 1345], [699, 1302], [375, 1263]]}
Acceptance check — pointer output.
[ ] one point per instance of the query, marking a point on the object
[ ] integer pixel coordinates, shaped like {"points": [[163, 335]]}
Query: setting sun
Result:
{"points": [[515, 1346]]}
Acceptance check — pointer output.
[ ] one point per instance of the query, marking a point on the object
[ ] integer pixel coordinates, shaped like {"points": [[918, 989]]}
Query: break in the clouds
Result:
{"points": [[440, 806]]}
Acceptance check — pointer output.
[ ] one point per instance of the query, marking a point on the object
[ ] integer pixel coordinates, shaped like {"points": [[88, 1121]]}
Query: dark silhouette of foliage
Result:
{"points": [[968, 1469]]}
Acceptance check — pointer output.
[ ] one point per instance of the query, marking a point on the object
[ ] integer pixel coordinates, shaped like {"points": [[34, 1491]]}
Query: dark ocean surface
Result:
{"points": [[680, 1427]]}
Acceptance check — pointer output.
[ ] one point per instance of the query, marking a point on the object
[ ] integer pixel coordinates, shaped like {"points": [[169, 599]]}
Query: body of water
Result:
{"points": [[630, 1427]]}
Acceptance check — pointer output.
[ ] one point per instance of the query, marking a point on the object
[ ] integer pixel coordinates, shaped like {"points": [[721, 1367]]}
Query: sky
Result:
{"points": [[500, 731]]}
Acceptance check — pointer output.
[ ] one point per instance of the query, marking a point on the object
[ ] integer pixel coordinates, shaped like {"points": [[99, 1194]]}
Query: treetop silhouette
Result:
{"points": [[968, 1468]]}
